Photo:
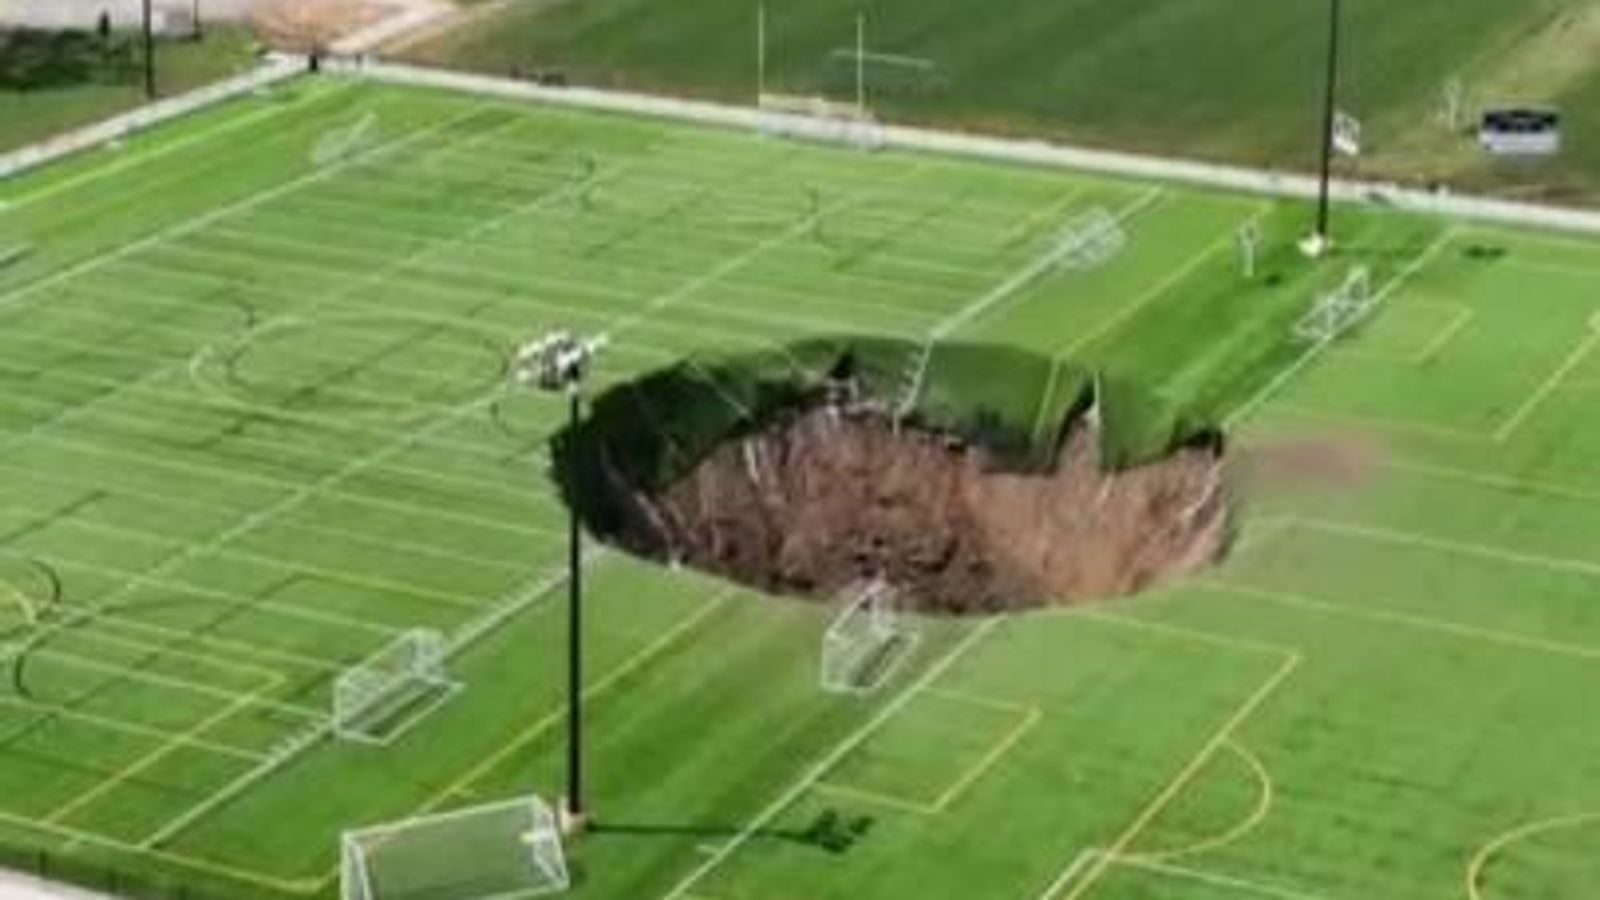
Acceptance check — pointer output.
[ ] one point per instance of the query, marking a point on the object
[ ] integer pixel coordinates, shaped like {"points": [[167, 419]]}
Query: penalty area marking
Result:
{"points": [[1027, 716], [821, 767], [1497, 846], [1257, 814]]}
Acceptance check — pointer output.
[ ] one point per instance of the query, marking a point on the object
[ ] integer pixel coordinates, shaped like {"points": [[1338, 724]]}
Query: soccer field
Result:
{"points": [[256, 426]]}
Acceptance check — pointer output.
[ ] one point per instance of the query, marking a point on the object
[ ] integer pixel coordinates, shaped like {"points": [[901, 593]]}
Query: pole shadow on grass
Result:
{"points": [[829, 830]]}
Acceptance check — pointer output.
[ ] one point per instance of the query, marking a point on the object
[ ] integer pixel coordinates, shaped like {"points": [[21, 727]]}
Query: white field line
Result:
{"points": [[1311, 353], [1543, 392], [1460, 548], [820, 769], [515, 603], [1214, 879], [195, 224], [144, 763], [1127, 311], [180, 685], [413, 549], [124, 726], [135, 160], [1083, 858], [400, 444], [580, 283], [1181, 782], [531, 304], [287, 611], [1005, 290], [218, 648], [222, 474], [731, 264], [1035, 152], [359, 501], [692, 256]]}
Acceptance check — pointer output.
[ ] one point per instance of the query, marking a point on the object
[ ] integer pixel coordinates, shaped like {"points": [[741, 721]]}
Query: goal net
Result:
{"points": [[865, 642], [376, 699], [503, 850], [821, 120], [1089, 239], [1336, 312]]}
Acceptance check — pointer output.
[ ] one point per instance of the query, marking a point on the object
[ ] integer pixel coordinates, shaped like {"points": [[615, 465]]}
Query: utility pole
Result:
{"points": [[1322, 236], [149, 52], [559, 362]]}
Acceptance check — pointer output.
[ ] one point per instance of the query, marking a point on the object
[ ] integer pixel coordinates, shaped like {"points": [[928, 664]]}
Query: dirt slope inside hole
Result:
{"points": [[819, 502]]}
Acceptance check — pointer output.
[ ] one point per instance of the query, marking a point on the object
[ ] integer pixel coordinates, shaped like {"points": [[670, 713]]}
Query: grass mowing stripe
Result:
{"points": [[197, 223], [820, 769]]}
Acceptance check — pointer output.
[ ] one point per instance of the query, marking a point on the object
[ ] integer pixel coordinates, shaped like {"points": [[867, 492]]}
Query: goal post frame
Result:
{"points": [[414, 661], [531, 840], [886, 630]]}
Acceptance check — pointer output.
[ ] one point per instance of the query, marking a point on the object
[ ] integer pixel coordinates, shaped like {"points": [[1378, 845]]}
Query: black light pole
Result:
{"points": [[1329, 112], [559, 362], [194, 19], [149, 53], [575, 808]]}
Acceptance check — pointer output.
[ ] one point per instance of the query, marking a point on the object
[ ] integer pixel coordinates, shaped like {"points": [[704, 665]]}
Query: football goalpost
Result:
{"points": [[1337, 311], [816, 117], [505, 850], [866, 642], [383, 695]]}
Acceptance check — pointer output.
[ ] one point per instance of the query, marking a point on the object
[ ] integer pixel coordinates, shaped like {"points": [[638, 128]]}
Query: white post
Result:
{"points": [[861, 63], [761, 52]]}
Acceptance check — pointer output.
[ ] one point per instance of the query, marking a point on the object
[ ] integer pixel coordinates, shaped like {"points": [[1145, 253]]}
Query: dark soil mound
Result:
{"points": [[824, 497]]}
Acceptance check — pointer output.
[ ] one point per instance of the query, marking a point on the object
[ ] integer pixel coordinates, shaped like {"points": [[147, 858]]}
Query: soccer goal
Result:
{"points": [[866, 642], [1336, 312], [1089, 239], [820, 120], [384, 694], [505, 850]]}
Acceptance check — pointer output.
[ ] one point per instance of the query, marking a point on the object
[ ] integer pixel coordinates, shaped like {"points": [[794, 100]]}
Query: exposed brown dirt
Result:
{"points": [[305, 26], [827, 498]]}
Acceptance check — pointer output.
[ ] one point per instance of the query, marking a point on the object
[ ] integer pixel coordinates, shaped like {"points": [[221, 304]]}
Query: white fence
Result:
{"points": [[1029, 152], [272, 70]]}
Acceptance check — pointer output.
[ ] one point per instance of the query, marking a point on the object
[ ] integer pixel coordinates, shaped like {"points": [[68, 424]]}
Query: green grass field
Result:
{"points": [[28, 116], [245, 440], [1236, 80]]}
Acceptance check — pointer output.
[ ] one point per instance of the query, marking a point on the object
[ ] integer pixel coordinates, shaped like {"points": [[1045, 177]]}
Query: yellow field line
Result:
{"points": [[1366, 421], [1264, 798], [1098, 868], [1489, 635], [1488, 851], [1028, 717], [539, 728], [1459, 548], [30, 615], [156, 755], [293, 886], [1585, 347], [989, 759], [1493, 480], [877, 798], [1202, 637]]}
